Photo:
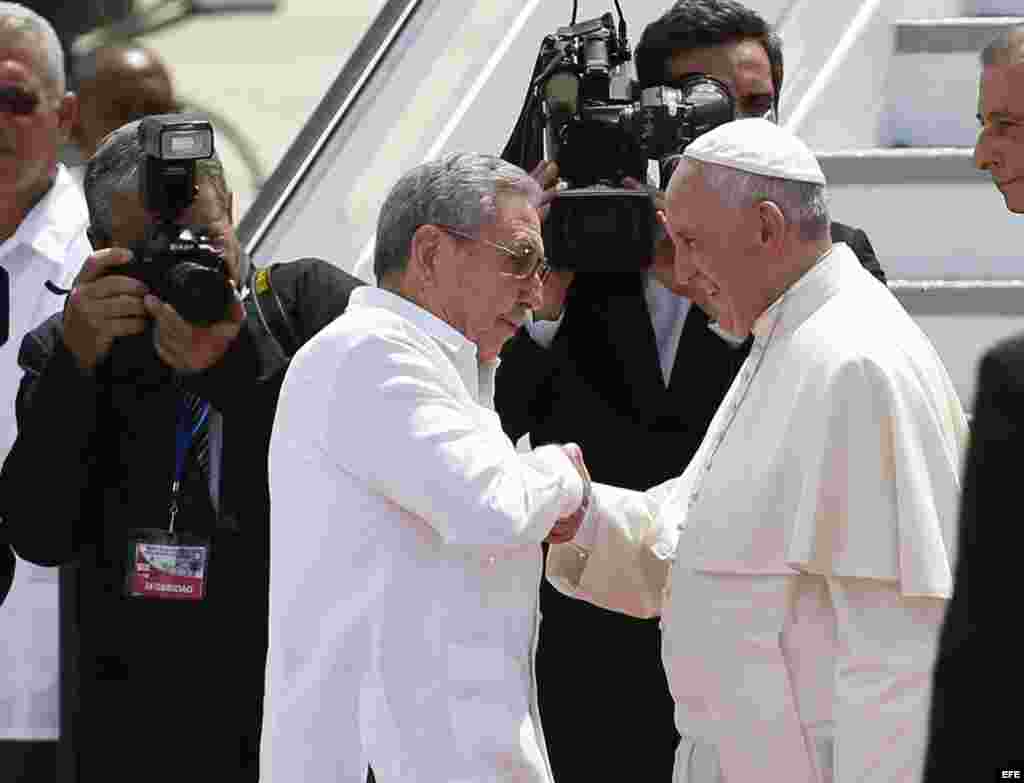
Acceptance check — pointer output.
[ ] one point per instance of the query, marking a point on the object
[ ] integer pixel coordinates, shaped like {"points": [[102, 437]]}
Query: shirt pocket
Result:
{"points": [[489, 703]]}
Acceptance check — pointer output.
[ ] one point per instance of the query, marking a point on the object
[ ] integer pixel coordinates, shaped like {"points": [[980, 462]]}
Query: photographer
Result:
{"points": [[623, 363], [155, 430]]}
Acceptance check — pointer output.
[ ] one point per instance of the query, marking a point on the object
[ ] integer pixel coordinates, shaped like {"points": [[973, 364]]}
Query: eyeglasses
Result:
{"points": [[17, 101], [528, 261]]}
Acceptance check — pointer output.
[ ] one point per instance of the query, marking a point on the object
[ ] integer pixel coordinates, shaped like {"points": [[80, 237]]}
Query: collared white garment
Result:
{"points": [[49, 244], [800, 560], [405, 560]]}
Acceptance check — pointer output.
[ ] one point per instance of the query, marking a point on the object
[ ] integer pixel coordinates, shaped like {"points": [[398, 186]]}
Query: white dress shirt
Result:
{"points": [[405, 560], [49, 244], [800, 562]]}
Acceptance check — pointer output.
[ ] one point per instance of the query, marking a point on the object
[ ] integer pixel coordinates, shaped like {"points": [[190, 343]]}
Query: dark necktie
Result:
{"points": [[200, 418]]}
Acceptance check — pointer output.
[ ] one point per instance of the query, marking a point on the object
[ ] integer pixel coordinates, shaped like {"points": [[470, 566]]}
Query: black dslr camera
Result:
{"points": [[599, 125], [178, 263]]}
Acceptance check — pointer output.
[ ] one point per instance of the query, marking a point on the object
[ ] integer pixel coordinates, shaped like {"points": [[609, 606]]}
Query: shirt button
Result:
{"points": [[491, 560]]}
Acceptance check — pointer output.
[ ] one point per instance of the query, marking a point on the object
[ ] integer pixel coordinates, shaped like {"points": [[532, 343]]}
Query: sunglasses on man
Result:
{"points": [[17, 101], [527, 261]]}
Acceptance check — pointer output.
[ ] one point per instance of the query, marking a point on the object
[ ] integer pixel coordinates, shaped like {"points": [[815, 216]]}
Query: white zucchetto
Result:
{"points": [[759, 147]]}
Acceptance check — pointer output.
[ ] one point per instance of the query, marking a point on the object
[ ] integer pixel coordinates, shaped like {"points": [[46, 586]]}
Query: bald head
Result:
{"points": [[1007, 49], [116, 85]]}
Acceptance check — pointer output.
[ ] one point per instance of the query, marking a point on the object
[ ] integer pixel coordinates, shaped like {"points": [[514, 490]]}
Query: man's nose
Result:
{"points": [[533, 295], [984, 156]]}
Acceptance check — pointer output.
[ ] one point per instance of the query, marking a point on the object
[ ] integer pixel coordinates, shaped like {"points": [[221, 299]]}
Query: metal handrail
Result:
{"points": [[335, 106]]}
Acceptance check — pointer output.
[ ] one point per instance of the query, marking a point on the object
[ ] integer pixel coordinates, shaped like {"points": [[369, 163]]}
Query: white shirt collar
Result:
{"points": [[452, 339], [54, 222], [815, 287]]}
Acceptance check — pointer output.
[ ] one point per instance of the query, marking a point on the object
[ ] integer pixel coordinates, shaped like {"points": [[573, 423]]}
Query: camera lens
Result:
{"points": [[198, 293]]}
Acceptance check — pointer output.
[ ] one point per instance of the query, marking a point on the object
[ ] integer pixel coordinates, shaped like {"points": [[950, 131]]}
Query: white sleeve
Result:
{"points": [[621, 556], [887, 647], [543, 332]]}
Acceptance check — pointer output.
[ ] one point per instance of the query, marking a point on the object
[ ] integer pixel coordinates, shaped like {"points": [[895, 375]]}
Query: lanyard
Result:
{"points": [[185, 433]]}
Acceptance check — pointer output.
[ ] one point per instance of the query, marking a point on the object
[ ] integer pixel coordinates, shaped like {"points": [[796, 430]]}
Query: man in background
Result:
{"points": [[42, 238], [625, 364], [116, 84], [976, 662]]}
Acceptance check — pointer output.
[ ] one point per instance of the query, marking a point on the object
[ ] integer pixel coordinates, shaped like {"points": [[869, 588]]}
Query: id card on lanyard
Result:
{"points": [[168, 565]]}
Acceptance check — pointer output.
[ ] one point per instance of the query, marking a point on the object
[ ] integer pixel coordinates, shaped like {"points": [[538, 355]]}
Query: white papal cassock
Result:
{"points": [[405, 560], [800, 562]]}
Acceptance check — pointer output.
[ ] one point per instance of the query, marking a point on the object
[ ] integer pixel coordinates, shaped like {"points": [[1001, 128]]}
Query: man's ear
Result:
{"points": [[67, 116], [424, 253], [772, 234]]}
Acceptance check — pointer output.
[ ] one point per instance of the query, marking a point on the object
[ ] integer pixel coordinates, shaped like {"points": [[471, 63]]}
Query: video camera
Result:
{"points": [[178, 263], [599, 125]]}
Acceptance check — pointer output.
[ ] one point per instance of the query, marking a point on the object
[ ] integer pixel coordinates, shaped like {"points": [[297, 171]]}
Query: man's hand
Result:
{"points": [[558, 281], [102, 307], [556, 286], [664, 250], [566, 527], [545, 174], [188, 348]]}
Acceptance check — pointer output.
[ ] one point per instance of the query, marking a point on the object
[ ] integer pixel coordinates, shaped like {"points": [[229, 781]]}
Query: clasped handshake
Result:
{"points": [[567, 527]]}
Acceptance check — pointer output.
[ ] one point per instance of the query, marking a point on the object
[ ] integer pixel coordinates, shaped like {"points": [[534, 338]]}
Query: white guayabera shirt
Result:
{"points": [[405, 560], [801, 561], [50, 244]]}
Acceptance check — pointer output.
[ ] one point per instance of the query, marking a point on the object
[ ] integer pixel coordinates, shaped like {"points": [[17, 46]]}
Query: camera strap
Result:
{"points": [[272, 312]]}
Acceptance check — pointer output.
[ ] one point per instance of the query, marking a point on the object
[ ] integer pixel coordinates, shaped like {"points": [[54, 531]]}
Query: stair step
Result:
{"points": [[901, 166], [944, 36]]}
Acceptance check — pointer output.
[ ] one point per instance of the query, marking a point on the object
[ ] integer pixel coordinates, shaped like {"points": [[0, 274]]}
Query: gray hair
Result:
{"points": [[114, 168], [803, 204], [1002, 49], [460, 190], [18, 20]]}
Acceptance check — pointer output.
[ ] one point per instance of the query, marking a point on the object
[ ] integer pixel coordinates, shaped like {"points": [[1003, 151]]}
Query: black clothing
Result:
{"points": [[978, 662], [6, 569], [172, 689], [600, 385]]}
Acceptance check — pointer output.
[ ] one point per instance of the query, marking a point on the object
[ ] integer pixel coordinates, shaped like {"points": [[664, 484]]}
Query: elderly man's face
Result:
{"points": [[130, 222], [479, 295], [28, 141], [713, 242], [1000, 146], [743, 65]]}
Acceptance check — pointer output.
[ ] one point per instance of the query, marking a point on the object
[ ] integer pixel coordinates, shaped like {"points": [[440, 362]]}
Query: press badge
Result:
{"points": [[167, 566]]}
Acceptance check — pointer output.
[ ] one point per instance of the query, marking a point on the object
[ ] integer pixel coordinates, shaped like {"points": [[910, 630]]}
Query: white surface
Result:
{"points": [[266, 72], [931, 100]]}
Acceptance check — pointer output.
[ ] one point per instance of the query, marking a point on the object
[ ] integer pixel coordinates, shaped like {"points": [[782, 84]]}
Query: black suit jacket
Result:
{"points": [[6, 570], [978, 668]]}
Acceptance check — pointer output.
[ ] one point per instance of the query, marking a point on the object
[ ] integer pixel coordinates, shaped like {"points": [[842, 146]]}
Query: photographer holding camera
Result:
{"points": [[150, 401], [621, 360]]}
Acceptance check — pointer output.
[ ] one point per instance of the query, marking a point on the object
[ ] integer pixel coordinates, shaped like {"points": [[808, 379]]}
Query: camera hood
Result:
{"points": [[599, 229]]}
